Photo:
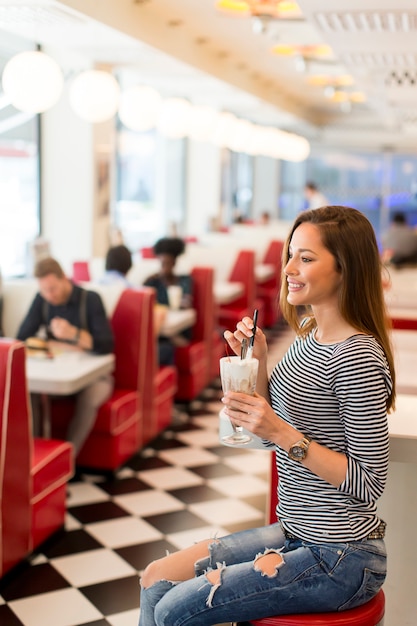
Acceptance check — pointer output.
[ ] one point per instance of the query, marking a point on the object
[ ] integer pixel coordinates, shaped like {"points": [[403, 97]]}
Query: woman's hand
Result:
{"points": [[244, 329], [253, 413]]}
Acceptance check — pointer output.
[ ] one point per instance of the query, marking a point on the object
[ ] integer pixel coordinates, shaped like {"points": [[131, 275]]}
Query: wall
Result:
{"points": [[67, 183], [202, 186]]}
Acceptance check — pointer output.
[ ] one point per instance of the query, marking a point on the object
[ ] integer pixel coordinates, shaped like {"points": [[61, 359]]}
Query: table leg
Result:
{"points": [[46, 416]]}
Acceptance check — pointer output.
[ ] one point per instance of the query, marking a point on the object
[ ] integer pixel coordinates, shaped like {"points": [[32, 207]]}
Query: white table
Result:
{"points": [[264, 272], [177, 321], [405, 360], [226, 292], [63, 375], [67, 372]]}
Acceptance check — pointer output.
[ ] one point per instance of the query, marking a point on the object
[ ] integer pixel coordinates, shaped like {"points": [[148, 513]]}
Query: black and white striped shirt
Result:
{"points": [[337, 395]]}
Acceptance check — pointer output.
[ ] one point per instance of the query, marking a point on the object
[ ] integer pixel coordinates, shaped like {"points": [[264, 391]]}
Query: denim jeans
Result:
{"points": [[312, 578]]}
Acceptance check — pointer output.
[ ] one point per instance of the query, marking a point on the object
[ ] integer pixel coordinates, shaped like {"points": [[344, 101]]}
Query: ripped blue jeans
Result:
{"points": [[311, 578]]}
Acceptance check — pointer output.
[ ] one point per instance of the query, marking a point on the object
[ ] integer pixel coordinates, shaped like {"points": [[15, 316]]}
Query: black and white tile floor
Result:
{"points": [[184, 487]]}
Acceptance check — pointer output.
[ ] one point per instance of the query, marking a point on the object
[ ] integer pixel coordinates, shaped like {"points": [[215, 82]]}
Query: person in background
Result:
{"points": [[315, 199], [168, 249], [74, 316], [265, 218], [399, 242], [118, 263], [324, 411]]}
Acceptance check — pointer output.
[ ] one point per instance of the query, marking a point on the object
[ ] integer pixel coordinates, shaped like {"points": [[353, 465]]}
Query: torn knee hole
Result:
{"points": [[213, 577], [268, 563]]}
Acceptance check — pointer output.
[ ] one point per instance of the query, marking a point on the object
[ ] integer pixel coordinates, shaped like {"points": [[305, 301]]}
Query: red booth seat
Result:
{"points": [[118, 431], [33, 472], [193, 361], [268, 291], [159, 383], [81, 271], [243, 271]]}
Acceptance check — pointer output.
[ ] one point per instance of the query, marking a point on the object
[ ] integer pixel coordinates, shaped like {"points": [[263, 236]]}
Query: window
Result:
{"points": [[150, 199]]}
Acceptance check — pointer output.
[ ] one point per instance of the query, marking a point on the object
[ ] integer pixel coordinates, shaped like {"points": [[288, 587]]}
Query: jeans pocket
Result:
{"points": [[371, 583]]}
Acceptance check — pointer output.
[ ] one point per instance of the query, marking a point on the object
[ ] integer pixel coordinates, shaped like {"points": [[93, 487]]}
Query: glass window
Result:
{"points": [[378, 184], [237, 186], [150, 187]]}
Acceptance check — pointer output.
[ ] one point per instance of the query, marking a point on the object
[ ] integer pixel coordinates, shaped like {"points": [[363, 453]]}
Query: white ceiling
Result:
{"points": [[186, 48]]}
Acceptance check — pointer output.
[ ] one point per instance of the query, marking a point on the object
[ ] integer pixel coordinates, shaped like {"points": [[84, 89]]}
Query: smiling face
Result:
{"points": [[312, 276]]}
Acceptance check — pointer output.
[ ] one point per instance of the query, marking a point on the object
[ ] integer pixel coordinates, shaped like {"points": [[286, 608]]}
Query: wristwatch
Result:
{"points": [[298, 451]]}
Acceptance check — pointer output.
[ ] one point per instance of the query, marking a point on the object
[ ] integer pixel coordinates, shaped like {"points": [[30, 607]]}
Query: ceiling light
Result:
{"points": [[174, 118], [139, 108], [32, 81], [273, 9], [94, 95], [319, 51]]}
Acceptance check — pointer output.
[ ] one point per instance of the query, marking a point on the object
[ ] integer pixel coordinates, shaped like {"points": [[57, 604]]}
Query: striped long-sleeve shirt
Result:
{"points": [[337, 395]]}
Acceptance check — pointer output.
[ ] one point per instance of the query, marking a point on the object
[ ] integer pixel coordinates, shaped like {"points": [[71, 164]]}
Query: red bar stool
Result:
{"points": [[369, 614]]}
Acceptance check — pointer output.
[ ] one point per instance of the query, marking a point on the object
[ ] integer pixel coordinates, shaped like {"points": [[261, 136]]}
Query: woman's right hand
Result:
{"points": [[244, 329]]}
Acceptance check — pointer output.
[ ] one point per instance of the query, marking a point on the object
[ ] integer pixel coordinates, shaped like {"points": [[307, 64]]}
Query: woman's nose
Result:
{"points": [[289, 267]]}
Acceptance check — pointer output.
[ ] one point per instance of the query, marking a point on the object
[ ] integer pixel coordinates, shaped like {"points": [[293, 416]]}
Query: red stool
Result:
{"points": [[369, 614]]}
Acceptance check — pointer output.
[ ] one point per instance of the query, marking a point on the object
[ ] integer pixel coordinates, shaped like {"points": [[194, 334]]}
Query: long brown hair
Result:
{"points": [[350, 238]]}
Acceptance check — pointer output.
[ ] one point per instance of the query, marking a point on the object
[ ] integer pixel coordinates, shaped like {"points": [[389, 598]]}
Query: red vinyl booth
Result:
{"points": [[80, 271], [404, 323], [193, 362], [369, 614], [268, 291], [118, 431], [243, 271], [160, 385], [33, 472]]}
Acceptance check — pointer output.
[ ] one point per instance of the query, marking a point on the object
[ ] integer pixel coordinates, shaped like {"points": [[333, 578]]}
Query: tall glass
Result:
{"points": [[238, 375]]}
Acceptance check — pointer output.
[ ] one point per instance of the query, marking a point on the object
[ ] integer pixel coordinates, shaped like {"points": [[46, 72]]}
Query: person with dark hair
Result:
{"points": [[168, 249], [324, 411], [118, 263], [399, 242], [315, 199], [71, 315]]}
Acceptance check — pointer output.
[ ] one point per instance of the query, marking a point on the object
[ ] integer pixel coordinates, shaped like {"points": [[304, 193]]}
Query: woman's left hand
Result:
{"points": [[253, 413]]}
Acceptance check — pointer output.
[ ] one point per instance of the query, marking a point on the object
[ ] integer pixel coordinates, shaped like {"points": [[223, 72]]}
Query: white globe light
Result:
{"points": [[224, 129], [32, 81], [202, 123], [174, 118], [139, 107], [94, 95]]}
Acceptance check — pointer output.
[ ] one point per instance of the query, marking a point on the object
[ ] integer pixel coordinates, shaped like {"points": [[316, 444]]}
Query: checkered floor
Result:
{"points": [[184, 487]]}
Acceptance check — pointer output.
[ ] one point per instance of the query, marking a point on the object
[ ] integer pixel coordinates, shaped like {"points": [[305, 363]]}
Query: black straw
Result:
{"points": [[255, 319]]}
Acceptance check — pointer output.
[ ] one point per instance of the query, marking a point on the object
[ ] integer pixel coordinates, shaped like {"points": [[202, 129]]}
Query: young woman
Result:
{"points": [[325, 410]]}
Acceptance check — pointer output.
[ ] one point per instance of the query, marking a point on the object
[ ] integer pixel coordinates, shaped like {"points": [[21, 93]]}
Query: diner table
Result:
{"points": [[405, 360], [226, 292], [177, 320], [64, 373], [264, 272]]}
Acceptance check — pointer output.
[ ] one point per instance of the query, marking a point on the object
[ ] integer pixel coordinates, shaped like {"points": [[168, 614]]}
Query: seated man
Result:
{"points": [[71, 315]]}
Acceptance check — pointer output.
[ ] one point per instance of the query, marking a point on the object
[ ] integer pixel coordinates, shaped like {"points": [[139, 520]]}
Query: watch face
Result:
{"points": [[298, 452]]}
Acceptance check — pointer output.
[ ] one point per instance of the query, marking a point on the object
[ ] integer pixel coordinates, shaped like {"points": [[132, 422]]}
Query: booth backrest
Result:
{"points": [[130, 323], [15, 456], [203, 302]]}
